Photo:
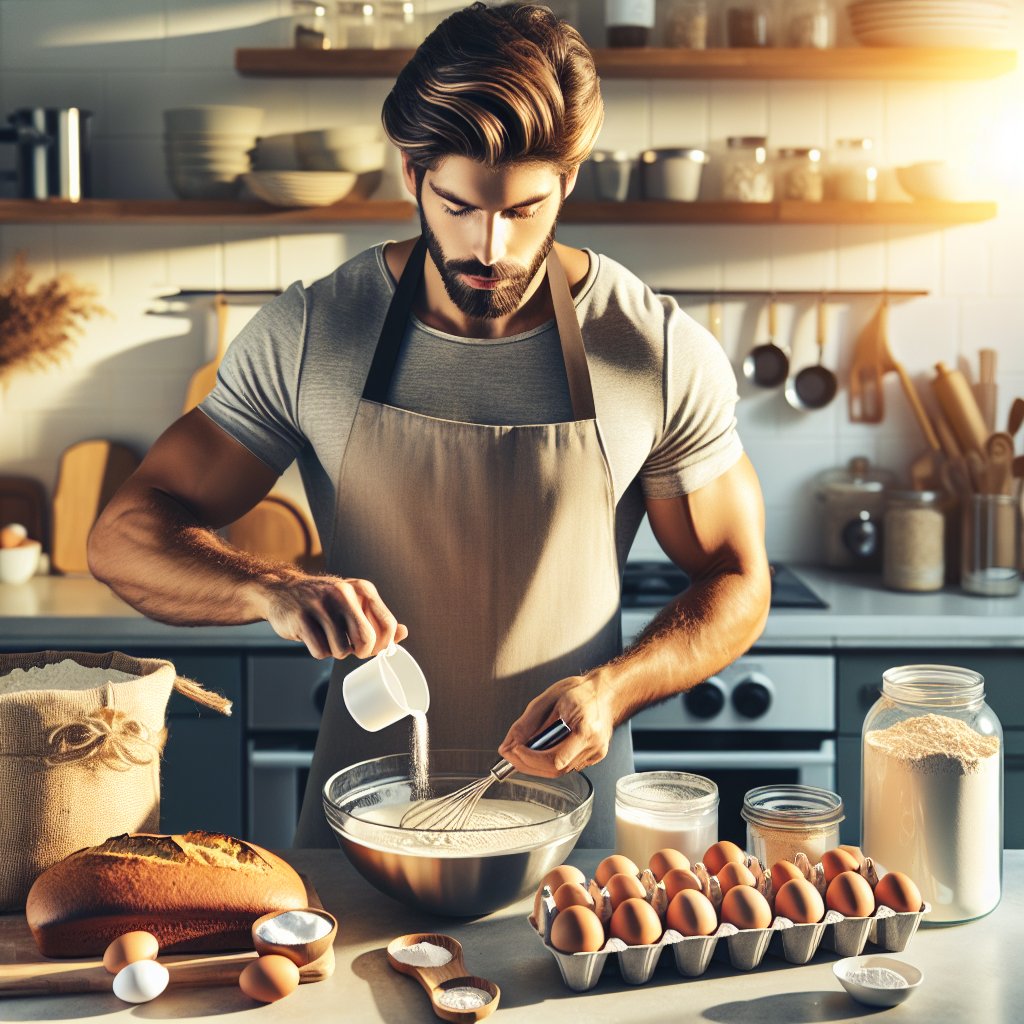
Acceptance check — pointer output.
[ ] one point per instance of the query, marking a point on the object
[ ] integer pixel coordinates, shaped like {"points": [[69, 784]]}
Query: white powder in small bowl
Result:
{"points": [[423, 954], [876, 977], [294, 927]]}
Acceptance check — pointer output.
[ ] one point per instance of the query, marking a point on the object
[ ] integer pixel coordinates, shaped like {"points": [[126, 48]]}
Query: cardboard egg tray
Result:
{"points": [[745, 948]]}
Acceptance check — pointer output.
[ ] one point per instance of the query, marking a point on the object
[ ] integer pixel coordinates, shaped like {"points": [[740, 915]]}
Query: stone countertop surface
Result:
{"points": [[971, 973], [66, 610]]}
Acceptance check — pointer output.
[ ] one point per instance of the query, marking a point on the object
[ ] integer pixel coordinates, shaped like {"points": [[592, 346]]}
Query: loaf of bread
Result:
{"points": [[200, 891]]}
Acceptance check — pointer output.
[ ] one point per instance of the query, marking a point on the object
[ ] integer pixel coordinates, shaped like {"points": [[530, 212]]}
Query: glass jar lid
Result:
{"points": [[792, 807], [934, 686], [673, 793], [698, 156], [858, 477]]}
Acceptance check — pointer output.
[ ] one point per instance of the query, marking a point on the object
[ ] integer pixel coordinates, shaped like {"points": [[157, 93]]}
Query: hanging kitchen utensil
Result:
{"points": [[978, 471], [999, 455], [204, 379], [814, 386], [986, 390], [1016, 417], [866, 401], [958, 405], [90, 472], [767, 364]]}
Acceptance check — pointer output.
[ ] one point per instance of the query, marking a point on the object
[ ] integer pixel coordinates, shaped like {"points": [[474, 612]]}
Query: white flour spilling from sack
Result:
{"points": [[932, 806], [63, 675]]}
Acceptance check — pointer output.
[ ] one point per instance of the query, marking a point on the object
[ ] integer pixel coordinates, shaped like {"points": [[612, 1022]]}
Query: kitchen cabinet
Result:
{"points": [[859, 682]]}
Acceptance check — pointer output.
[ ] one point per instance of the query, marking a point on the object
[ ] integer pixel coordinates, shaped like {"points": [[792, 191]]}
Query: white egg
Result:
{"points": [[141, 981]]}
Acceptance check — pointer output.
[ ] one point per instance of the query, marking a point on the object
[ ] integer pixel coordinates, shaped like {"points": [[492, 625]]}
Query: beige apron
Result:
{"points": [[495, 545]]}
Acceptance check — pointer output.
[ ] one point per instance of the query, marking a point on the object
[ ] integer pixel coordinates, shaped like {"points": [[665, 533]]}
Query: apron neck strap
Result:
{"points": [[392, 333]]}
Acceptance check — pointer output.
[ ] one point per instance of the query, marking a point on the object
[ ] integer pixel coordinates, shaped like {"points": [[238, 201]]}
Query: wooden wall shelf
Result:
{"points": [[195, 211], [851, 62]]}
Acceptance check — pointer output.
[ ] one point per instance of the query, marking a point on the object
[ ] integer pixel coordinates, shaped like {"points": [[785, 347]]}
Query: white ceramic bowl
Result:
{"points": [[275, 153], [207, 152], [877, 996], [934, 179], [214, 118], [300, 188], [342, 135], [358, 157], [19, 565], [205, 185]]}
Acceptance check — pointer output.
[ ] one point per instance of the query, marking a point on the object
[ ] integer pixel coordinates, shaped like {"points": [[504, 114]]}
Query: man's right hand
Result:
{"points": [[332, 616]]}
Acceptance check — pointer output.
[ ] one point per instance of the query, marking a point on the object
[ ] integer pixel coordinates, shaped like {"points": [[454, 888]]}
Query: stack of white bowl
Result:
{"points": [[981, 23], [207, 149]]}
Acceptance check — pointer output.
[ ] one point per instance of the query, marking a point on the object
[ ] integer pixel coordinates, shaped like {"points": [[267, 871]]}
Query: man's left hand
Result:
{"points": [[578, 701]]}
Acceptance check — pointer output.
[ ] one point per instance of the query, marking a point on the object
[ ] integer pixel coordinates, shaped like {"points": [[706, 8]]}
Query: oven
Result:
{"points": [[770, 717]]}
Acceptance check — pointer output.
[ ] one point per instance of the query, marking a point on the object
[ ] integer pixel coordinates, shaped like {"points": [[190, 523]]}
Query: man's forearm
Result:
{"points": [[709, 627], [154, 554]]}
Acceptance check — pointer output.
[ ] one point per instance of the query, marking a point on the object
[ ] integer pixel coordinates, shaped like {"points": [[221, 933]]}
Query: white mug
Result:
{"points": [[385, 688]]}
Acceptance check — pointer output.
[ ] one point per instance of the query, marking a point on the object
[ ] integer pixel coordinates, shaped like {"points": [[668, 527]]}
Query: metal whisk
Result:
{"points": [[452, 812]]}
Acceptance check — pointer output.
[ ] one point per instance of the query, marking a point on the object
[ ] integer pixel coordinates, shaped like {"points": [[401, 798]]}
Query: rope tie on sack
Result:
{"points": [[107, 736]]}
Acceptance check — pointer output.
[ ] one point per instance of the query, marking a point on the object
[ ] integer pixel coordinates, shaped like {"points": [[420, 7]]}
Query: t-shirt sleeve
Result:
{"points": [[255, 398], [699, 440]]}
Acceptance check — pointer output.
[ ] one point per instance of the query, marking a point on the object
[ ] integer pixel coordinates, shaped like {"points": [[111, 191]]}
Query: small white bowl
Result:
{"points": [[19, 565], [877, 996], [935, 179], [300, 188], [358, 157], [213, 118]]}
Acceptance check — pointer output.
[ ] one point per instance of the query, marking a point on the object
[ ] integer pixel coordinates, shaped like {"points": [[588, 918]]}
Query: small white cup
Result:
{"points": [[384, 689]]}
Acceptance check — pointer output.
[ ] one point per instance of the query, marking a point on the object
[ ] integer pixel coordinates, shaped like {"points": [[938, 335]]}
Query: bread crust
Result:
{"points": [[196, 892]]}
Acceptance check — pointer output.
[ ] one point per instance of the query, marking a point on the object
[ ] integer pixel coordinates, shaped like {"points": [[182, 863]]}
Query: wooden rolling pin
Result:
{"points": [[958, 405], [986, 390]]}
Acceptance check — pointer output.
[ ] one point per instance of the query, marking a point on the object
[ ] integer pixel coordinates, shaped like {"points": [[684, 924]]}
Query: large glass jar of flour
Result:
{"points": [[932, 784]]}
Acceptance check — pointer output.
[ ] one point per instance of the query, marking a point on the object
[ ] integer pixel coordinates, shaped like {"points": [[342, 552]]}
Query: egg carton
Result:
{"points": [[743, 948]]}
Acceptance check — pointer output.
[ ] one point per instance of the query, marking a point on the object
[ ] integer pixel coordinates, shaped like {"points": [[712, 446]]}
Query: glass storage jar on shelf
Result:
{"points": [[747, 24], [809, 23], [914, 556], [799, 175], [358, 27], [746, 170], [852, 171], [785, 820], [310, 25], [853, 506], [932, 788], [629, 22], [685, 24]]}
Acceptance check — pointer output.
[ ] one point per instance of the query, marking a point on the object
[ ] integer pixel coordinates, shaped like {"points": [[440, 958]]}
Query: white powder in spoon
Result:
{"points": [[465, 997], [423, 954], [876, 977]]}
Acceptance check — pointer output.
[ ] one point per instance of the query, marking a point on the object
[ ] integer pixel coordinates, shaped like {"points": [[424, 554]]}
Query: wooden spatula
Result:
{"points": [[866, 401], [203, 380]]}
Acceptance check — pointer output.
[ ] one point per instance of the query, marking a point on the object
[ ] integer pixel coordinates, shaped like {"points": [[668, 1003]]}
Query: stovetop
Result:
{"points": [[654, 584]]}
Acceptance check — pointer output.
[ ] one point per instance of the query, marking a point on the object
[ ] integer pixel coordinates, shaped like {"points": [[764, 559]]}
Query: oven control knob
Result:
{"points": [[706, 699], [752, 697]]}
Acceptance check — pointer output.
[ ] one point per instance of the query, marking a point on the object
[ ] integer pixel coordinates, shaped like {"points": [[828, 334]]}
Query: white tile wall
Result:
{"points": [[127, 60]]}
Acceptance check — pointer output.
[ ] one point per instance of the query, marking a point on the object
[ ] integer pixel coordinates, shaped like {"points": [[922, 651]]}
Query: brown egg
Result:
{"points": [[800, 902], [636, 922], [836, 861], [12, 535], [854, 851], [784, 871], [572, 894], [734, 874], [665, 861], [269, 978], [679, 879], [744, 907], [577, 930], [128, 949], [898, 892], [553, 879], [616, 864], [719, 854], [691, 913], [850, 894], [622, 887]]}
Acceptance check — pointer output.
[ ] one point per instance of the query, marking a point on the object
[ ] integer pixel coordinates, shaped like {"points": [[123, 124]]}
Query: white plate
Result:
{"points": [[931, 6], [944, 26], [933, 36]]}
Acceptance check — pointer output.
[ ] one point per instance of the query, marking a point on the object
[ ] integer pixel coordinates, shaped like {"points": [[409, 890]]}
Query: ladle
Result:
{"points": [[767, 364], [815, 385]]}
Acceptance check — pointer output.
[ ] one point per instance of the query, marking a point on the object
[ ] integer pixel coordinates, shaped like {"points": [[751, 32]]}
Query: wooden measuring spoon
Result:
{"points": [[437, 980]]}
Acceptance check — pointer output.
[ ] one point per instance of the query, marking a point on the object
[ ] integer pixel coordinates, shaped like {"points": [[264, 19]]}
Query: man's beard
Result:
{"points": [[485, 303]]}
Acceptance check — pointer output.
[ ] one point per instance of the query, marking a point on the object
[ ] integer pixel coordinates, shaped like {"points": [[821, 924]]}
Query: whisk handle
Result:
{"points": [[549, 737]]}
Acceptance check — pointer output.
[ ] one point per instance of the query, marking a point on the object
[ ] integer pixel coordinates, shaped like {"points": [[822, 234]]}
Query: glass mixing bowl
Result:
{"points": [[458, 874]]}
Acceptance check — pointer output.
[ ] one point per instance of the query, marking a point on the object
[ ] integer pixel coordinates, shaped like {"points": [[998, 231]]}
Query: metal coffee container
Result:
{"points": [[53, 147]]}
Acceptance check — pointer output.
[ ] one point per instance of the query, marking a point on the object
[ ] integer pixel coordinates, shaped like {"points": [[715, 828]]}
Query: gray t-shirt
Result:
{"points": [[664, 391]]}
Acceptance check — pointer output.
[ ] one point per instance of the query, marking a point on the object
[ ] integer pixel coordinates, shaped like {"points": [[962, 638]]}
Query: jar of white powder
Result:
{"points": [[932, 783]]}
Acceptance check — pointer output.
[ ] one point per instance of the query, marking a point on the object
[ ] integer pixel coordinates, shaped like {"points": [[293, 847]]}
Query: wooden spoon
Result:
{"points": [[1016, 417], [437, 980], [999, 453]]}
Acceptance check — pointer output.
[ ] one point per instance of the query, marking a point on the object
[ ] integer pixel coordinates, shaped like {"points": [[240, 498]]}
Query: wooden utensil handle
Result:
{"points": [[959, 407], [919, 412]]}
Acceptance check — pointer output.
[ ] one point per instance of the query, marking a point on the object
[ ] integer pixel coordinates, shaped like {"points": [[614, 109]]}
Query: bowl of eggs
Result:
{"points": [[724, 900], [19, 554], [522, 828]]}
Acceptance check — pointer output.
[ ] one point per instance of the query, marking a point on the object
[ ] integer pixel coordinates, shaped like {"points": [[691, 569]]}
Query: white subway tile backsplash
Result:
{"points": [[131, 168], [205, 35], [855, 110], [250, 259], [966, 257], [802, 257], [627, 116], [860, 257], [914, 258], [916, 122], [737, 108], [788, 469], [680, 114], [995, 323], [797, 115]]}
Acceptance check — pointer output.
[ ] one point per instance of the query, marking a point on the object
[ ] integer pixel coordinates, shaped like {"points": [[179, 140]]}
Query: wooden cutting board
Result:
{"points": [[23, 500], [24, 972], [202, 381], [276, 528], [90, 472]]}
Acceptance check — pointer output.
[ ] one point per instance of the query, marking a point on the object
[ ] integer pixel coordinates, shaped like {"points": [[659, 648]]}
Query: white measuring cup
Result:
{"points": [[385, 688]]}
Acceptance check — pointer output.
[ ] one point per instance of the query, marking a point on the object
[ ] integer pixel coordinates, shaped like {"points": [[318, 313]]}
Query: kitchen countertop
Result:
{"points": [[62, 611], [971, 972]]}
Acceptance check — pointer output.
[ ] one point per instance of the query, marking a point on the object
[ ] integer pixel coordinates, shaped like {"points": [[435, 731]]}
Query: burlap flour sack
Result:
{"points": [[80, 743]]}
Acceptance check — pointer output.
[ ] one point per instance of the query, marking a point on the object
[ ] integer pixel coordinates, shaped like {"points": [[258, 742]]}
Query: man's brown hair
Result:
{"points": [[499, 85]]}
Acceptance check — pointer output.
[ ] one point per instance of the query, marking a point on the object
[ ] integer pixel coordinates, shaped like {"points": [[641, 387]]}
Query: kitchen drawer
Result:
{"points": [[860, 680], [287, 691]]}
